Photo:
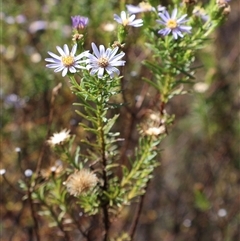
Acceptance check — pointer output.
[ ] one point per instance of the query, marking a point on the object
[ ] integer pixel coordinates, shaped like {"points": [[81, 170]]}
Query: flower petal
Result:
{"points": [[95, 50], [164, 17], [94, 71], [181, 19], [74, 49], [66, 49], [131, 18], [51, 66], [72, 69], [65, 70], [111, 70], [102, 51], [53, 60], [60, 50], [117, 18], [100, 72], [54, 55], [123, 15], [174, 13]]}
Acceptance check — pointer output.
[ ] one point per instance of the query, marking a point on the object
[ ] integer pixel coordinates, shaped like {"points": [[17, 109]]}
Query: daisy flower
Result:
{"points": [[127, 20], [102, 60], [142, 7], [200, 12], [172, 24], [67, 61], [59, 138], [161, 8]]}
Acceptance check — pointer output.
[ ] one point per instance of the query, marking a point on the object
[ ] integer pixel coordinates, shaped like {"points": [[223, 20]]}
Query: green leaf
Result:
{"points": [[201, 201], [110, 124], [151, 83]]}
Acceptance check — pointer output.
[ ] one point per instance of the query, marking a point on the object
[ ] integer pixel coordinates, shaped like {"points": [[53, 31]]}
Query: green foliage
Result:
{"points": [[135, 180], [201, 201]]}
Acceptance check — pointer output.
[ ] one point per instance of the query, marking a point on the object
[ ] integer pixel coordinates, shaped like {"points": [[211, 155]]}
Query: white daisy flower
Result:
{"points": [[128, 20], [142, 7], [67, 61], [103, 59], [59, 138]]}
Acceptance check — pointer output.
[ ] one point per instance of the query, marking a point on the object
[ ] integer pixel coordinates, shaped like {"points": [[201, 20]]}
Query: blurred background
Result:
{"points": [[195, 191]]}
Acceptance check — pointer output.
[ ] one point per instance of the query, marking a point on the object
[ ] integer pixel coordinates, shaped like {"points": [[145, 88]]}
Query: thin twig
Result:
{"points": [[12, 186], [105, 187], [50, 118], [137, 214], [105, 178], [39, 161], [33, 213], [83, 233], [59, 223]]}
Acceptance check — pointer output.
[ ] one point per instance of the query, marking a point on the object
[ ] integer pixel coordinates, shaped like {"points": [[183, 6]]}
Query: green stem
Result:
{"points": [[147, 149], [102, 144], [33, 213], [59, 223]]}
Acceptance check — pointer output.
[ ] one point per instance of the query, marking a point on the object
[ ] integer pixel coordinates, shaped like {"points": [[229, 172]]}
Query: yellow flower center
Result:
{"points": [[145, 6], [103, 62], [125, 22], [68, 60], [172, 23]]}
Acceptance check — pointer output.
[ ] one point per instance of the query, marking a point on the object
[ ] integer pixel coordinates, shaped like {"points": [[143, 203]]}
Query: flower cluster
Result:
{"points": [[100, 61], [105, 61]]}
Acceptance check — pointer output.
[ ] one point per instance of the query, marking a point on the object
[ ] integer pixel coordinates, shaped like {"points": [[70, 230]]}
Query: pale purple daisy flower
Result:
{"points": [[104, 60], [67, 61], [172, 24], [200, 12], [79, 22], [142, 7], [161, 8], [127, 20]]}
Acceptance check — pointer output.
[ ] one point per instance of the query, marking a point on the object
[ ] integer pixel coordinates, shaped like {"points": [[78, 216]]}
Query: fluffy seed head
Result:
{"points": [[80, 182]]}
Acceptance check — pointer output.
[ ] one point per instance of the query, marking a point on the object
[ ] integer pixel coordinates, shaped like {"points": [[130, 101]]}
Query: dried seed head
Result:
{"points": [[222, 3], [155, 131], [227, 10], [80, 182]]}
